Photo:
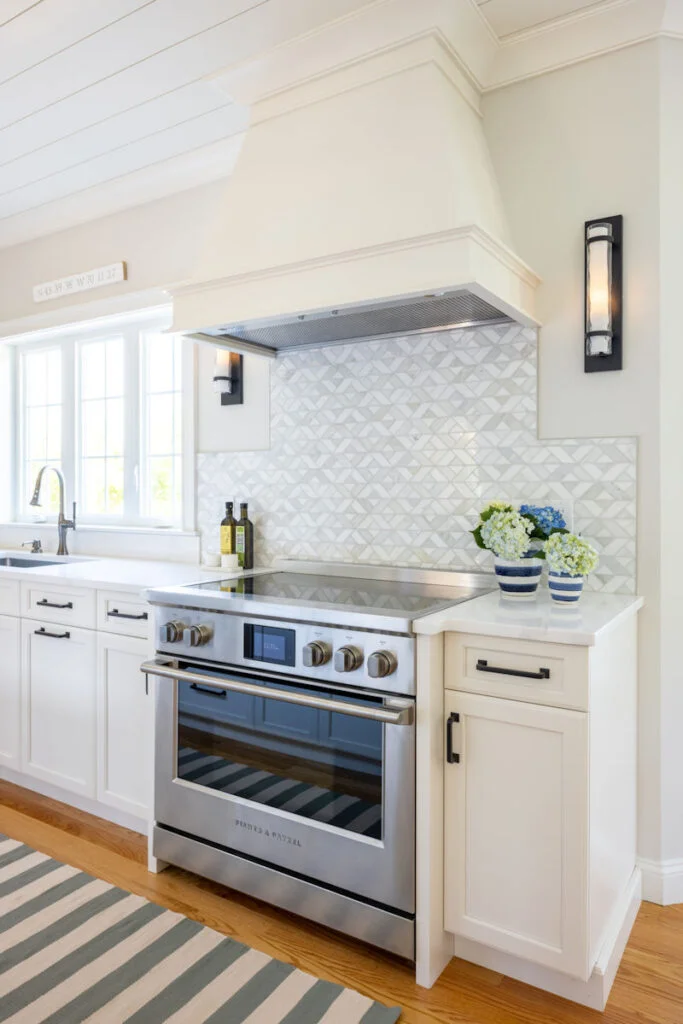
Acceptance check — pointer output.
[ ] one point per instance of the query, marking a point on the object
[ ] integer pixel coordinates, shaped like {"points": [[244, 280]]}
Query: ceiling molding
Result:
{"points": [[587, 34], [372, 30]]}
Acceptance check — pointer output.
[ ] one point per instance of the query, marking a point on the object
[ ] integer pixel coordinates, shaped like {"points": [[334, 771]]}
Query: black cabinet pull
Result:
{"points": [[483, 666], [116, 614], [451, 756], [49, 604], [55, 636], [208, 690]]}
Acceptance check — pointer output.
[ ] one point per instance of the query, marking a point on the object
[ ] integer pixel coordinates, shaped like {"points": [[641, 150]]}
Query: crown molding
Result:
{"points": [[381, 28], [480, 61], [583, 35]]}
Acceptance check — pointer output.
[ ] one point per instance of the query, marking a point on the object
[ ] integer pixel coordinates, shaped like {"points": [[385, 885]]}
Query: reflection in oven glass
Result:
{"points": [[321, 766]]}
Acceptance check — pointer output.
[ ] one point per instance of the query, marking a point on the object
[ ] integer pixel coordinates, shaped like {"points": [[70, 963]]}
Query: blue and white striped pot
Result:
{"points": [[564, 588], [518, 578]]}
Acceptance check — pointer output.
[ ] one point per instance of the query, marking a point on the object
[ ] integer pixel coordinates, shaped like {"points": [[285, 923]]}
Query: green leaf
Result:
{"points": [[477, 538]]}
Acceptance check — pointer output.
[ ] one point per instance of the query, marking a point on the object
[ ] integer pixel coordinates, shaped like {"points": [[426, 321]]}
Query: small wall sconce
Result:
{"points": [[603, 349], [227, 377]]}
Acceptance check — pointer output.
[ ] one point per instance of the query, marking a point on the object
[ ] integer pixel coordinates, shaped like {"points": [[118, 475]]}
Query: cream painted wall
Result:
{"points": [[160, 242], [671, 415], [579, 143], [233, 428]]}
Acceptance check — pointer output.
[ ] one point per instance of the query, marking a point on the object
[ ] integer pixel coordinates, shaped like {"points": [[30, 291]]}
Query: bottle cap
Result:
{"points": [[229, 562]]}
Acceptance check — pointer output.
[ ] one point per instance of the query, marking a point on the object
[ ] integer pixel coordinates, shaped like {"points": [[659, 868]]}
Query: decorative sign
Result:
{"points": [[79, 282]]}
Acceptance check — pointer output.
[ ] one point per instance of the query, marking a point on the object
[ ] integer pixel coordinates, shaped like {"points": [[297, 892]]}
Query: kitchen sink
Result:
{"points": [[14, 562]]}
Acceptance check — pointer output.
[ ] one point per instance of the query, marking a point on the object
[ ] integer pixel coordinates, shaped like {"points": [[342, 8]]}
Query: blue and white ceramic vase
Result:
{"points": [[519, 577], [564, 588]]}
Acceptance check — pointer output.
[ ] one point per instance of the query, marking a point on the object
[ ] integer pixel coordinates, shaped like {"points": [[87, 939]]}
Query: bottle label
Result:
{"points": [[240, 540], [226, 541]]}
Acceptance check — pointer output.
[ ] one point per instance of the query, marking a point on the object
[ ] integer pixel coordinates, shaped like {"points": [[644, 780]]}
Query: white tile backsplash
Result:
{"points": [[384, 452]]}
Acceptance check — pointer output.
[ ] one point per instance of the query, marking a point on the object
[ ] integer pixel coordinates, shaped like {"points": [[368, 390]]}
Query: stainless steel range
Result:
{"points": [[285, 739]]}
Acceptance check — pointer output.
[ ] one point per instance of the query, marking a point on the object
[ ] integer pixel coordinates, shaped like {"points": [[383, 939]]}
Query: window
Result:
{"points": [[111, 409]]}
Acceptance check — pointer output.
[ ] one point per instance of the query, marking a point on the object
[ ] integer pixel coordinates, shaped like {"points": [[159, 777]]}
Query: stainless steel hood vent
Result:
{"points": [[411, 315]]}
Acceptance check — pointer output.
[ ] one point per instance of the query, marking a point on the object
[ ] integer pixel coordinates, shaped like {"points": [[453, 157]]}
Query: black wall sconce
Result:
{"points": [[603, 300], [228, 376]]}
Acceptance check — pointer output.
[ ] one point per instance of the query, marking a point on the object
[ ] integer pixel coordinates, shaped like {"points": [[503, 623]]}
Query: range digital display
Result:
{"points": [[270, 643]]}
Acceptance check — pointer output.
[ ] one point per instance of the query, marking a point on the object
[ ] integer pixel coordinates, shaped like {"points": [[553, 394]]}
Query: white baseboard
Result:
{"points": [[81, 803], [592, 993], [662, 880]]}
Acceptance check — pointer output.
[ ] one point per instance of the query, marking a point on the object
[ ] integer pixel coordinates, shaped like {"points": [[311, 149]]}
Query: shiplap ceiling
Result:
{"points": [[509, 16], [105, 103]]}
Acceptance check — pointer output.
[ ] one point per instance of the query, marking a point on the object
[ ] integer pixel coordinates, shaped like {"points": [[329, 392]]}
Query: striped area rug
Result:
{"points": [[74, 948]]}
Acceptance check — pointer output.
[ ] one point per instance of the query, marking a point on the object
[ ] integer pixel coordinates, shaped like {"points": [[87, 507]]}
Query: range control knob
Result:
{"points": [[381, 663], [172, 632], [346, 659], [316, 653], [197, 636]]}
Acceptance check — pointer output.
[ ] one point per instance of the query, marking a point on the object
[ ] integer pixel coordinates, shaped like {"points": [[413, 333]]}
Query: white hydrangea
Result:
{"points": [[566, 552], [507, 534]]}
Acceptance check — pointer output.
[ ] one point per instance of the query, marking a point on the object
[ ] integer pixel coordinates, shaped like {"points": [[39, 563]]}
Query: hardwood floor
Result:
{"points": [[648, 988]]}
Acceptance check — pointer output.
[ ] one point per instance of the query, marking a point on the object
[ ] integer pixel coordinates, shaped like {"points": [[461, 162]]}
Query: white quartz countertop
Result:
{"points": [[126, 574], [541, 619]]}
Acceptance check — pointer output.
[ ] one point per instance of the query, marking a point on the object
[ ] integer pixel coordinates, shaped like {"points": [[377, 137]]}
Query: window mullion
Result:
{"points": [[131, 447], [70, 421]]}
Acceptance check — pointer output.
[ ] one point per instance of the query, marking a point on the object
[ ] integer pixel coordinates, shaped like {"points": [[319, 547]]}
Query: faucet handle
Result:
{"points": [[73, 516], [36, 546]]}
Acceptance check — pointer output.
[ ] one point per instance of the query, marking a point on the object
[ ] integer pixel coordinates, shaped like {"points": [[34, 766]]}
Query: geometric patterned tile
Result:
{"points": [[384, 452]]}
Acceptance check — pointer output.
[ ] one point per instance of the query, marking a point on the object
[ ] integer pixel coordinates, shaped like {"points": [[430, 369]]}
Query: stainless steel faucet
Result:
{"points": [[63, 524]]}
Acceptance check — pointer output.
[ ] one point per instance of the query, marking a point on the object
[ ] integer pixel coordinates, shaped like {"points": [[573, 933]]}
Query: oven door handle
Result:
{"points": [[394, 711]]}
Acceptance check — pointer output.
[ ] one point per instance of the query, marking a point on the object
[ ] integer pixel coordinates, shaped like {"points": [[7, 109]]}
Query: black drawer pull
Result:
{"points": [[483, 666], [55, 636], [49, 604], [451, 756], [208, 690], [116, 614]]}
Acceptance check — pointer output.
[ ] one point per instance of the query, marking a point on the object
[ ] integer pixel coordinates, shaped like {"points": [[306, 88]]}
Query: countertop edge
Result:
{"points": [[456, 620]]}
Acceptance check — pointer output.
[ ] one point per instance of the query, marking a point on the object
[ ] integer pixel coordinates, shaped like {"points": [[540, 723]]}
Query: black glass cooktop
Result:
{"points": [[308, 589]]}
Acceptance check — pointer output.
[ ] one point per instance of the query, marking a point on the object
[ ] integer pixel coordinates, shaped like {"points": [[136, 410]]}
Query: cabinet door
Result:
{"points": [[58, 707], [515, 830], [125, 725], [10, 692]]}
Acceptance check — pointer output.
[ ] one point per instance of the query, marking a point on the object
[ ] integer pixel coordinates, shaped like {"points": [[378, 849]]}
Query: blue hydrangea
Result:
{"points": [[547, 517]]}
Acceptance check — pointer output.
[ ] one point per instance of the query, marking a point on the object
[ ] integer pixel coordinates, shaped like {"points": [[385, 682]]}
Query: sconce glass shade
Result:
{"points": [[223, 372], [599, 327]]}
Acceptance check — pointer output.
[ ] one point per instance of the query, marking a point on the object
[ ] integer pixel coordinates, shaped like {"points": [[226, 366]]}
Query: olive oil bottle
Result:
{"points": [[244, 539], [228, 531]]}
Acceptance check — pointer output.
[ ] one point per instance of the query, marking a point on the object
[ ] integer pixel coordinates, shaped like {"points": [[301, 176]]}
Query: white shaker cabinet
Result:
{"points": [[59, 705], [515, 829], [10, 692], [540, 801], [124, 725]]}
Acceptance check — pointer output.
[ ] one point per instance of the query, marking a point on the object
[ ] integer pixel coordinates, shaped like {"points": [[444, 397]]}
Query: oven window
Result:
{"points": [[319, 765]]}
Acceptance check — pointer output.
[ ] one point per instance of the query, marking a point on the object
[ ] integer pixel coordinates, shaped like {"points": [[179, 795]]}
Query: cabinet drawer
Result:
{"points": [[124, 614], [64, 605], [9, 597], [552, 674]]}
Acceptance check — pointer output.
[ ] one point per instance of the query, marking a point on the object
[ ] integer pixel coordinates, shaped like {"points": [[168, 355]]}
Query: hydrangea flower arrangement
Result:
{"points": [[503, 531], [570, 554], [537, 523], [546, 519]]}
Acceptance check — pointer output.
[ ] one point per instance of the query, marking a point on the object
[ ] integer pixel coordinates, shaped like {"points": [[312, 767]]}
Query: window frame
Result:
{"points": [[133, 328]]}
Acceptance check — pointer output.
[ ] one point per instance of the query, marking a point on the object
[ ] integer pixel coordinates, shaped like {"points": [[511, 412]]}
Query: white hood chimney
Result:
{"points": [[363, 203]]}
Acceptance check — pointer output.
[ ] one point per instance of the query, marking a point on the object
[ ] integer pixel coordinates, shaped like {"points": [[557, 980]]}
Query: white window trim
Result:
{"points": [[125, 325]]}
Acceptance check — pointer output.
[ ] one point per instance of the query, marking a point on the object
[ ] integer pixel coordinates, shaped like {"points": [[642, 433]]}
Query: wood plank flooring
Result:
{"points": [[648, 988]]}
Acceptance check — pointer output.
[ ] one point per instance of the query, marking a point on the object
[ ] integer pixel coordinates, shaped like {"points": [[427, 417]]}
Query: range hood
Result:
{"points": [[363, 204]]}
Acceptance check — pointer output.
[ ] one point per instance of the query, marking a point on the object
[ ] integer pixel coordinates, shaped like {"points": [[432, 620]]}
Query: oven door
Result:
{"points": [[319, 782]]}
